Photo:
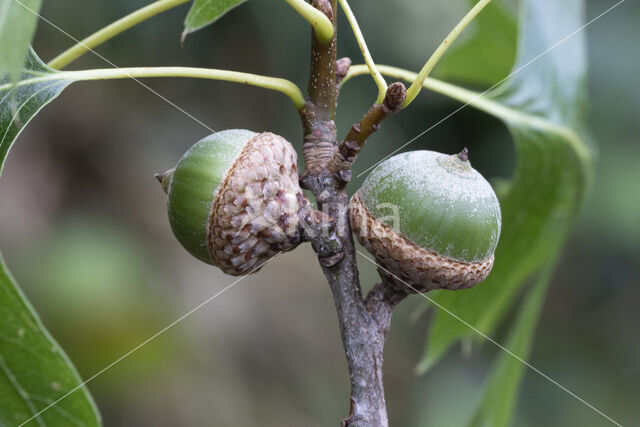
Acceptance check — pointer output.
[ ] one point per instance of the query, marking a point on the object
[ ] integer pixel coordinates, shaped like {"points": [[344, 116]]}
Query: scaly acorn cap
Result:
{"points": [[234, 199], [430, 219]]}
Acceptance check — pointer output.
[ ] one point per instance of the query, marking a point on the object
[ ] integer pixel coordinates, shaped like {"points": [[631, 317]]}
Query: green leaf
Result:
{"points": [[17, 25], [485, 56], [34, 370], [501, 391], [205, 12], [543, 105], [38, 86]]}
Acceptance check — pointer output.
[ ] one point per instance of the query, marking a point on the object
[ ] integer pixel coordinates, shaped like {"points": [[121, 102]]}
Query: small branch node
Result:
{"points": [[342, 68], [320, 229], [395, 96], [331, 260], [324, 196], [318, 148], [383, 298], [393, 284], [352, 413], [325, 7], [352, 145], [345, 175]]}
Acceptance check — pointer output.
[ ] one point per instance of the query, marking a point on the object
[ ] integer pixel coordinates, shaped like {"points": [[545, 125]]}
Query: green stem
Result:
{"points": [[281, 85], [111, 30], [322, 26], [479, 101], [415, 87], [377, 77]]}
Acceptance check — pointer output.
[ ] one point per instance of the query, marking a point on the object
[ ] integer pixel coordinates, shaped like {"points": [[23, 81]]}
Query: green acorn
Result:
{"points": [[430, 219], [234, 200]]}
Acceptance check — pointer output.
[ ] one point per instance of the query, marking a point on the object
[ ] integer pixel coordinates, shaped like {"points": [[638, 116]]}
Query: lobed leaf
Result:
{"points": [[205, 12], [543, 106]]}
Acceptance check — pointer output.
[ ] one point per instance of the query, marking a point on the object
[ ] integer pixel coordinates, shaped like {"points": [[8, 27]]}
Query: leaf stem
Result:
{"points": [[273, 83], [479, 101], [322, 26], [415, 87], [377, 77], [111, 30]]}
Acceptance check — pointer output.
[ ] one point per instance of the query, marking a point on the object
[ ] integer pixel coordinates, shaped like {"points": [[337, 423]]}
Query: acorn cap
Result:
{"points": [[430, 218], [234, 199]]}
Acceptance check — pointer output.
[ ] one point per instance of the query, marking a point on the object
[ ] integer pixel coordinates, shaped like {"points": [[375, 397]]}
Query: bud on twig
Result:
{"points": [[323, 6], [396, 93], [342, 68]]}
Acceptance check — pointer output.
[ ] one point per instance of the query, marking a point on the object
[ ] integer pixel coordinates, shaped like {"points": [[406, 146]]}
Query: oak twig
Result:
{"points": [[317, 115], [348, 150], [382, 299], [363, 323]]}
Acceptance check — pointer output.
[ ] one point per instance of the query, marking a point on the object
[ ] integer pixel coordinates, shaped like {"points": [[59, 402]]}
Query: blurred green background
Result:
{"points": [[85, 232]]}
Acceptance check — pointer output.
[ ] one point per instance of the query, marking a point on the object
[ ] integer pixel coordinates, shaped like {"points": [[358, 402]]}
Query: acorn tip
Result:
{"points": [[464, 154]]}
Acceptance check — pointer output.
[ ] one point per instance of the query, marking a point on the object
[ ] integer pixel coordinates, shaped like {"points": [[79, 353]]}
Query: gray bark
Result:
{"points": [[363, 322]]}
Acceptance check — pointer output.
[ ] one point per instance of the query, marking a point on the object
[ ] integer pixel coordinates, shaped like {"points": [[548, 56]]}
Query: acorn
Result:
{"points": [[234, 200], [430, 220]]}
